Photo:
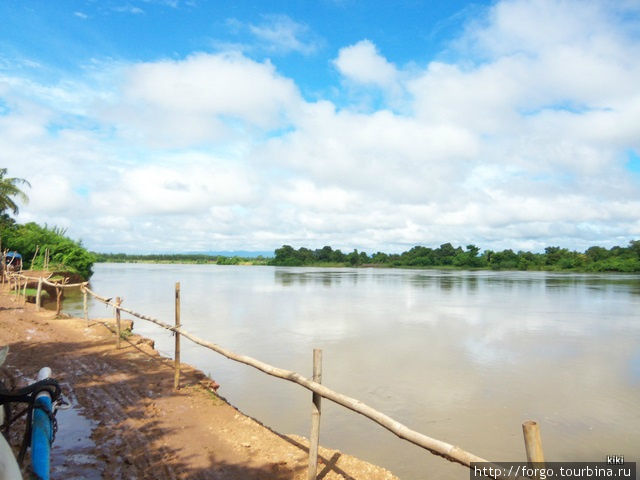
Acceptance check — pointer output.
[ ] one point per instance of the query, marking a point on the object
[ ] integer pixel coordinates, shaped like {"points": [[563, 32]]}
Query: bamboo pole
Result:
{"points": [[176, 378], [532, 442], [118, 302], [85, 307], [64, 285], [58, 300], [24, 291], [34, 256], [38, 295], [314, 437], [3, 267]]}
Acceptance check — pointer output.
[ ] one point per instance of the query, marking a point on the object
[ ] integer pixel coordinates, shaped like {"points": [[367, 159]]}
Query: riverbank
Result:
{"points": [[128, 422]]}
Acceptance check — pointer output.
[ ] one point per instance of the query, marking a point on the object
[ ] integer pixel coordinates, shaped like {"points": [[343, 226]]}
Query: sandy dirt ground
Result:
{"points": [[127, 422]]}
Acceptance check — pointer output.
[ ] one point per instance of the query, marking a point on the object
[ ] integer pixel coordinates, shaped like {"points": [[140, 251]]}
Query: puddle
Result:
{"points": [[72, 454]]}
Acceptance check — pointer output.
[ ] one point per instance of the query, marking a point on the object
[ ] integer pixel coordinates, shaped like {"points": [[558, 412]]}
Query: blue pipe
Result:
{"points": [[41, 436]]}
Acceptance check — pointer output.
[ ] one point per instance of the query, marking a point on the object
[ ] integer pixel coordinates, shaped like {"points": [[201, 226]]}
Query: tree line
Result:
{"points": [[198, 258], [593, 259]]}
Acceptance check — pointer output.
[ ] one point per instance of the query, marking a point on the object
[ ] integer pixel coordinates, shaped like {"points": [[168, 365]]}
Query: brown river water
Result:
{"points": [[464, 357]]}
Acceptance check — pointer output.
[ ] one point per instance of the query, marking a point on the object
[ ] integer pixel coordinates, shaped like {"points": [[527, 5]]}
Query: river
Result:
{"points": [[464, 357]]}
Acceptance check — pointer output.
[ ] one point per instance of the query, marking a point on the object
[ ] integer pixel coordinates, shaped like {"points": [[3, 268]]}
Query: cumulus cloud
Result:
{"points": [[191, 189], [204, 97], [362, 63]]}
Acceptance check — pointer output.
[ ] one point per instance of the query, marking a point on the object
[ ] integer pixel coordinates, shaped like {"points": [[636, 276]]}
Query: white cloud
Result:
{"points": [[204, 97], [191, 186], [281, 34], [128, 9], [362, 63]]}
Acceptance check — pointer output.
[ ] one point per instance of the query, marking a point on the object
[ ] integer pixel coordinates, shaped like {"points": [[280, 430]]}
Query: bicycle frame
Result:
{"points": [[42, 399]]}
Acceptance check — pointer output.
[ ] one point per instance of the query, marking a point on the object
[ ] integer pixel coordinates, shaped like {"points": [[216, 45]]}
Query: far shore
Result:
{"points": [[265, 262]]}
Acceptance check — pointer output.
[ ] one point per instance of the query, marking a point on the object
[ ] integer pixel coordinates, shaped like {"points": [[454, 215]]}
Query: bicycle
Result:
{"points": [[42, 399]]}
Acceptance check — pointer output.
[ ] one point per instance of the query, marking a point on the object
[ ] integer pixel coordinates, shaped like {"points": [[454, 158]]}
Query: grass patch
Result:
{"points": [[125, 334], [215, 399]]}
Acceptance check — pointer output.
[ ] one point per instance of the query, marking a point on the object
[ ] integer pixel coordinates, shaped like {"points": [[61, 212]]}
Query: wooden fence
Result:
{"points": [[531, 432]]}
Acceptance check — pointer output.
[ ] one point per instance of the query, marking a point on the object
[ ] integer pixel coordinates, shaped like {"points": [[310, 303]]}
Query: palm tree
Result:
{"points": [[8, 189]]}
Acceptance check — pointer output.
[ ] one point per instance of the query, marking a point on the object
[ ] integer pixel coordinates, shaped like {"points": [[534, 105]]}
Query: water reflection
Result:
{"points": [[461, 356]]}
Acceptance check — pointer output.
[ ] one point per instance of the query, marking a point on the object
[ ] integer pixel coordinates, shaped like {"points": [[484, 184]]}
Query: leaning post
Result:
{"points": [[38, 294], [118, 302], [176, 378], [314, 438]]}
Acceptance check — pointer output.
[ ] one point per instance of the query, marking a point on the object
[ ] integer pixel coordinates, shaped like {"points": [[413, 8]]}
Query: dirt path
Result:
{"points": [[129, 423]]}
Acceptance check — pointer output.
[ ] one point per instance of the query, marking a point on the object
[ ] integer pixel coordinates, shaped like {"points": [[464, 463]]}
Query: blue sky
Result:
{"points": [[160, 125]]}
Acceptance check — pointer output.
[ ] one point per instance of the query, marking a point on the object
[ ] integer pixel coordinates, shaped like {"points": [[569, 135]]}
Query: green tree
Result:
{"points": [[66, 255], [10, 189]]}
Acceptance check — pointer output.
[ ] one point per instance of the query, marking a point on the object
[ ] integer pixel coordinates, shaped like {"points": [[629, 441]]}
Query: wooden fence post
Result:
{"points": [[38, 294], [85, 308], [58, 300], [118, 302], [176, 378], [314, 438], [532, 442], [24, 292]]}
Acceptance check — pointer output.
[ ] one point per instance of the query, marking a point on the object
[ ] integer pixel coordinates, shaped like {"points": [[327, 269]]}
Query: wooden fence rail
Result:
{"points": [[436, 447]]}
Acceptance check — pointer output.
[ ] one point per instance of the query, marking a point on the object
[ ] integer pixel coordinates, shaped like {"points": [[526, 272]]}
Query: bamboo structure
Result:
{"points": [[437, 447], [63, 284], [176, 379], [314, 437]]}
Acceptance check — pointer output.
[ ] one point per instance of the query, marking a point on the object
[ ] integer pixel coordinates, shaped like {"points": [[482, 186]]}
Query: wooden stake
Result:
{"points": [[532, 442], [176, 378], [4, 262], [24, 291], [38, 294], [58, 300], [314, 438], [118, 302], [85, 308], [34, 256]]}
